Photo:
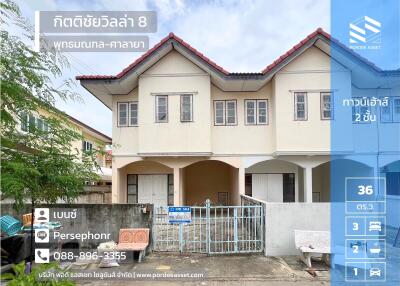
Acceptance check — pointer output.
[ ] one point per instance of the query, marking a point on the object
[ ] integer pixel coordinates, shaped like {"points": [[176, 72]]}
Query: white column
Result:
{"points": [[308, 184], [177, 187], [115, 185], [241, 180]]}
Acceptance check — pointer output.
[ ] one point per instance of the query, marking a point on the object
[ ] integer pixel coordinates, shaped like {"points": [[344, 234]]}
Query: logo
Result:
{"points": [[42, 215], [42, 255], [365, 33], [41, 235]]}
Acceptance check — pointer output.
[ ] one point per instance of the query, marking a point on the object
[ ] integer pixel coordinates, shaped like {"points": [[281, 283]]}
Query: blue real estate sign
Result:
{"points": [[179, 215], [365, 142]]}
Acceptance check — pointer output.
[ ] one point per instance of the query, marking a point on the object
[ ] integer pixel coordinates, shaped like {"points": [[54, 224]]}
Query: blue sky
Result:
{"points": [[238, 35]]}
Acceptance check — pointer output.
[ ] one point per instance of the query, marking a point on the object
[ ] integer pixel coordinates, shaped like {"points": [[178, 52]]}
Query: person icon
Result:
{"points": [[42, 215]]}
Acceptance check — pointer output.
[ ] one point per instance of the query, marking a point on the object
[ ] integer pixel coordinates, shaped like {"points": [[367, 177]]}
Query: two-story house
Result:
{"points": [[185, 129], [92, 139]]}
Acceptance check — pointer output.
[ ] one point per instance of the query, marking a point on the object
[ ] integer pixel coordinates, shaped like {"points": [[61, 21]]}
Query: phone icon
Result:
{"points": [[42, 255]]}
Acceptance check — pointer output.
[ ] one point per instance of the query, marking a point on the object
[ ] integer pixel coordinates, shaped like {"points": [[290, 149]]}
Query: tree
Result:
{"points": [[41, 164]]}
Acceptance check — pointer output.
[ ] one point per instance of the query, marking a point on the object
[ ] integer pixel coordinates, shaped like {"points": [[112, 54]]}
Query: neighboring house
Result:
{"points": [[93, 140], [185, 129], [109, 159]]}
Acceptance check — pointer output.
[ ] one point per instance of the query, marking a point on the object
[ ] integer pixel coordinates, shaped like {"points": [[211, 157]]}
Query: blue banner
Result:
{"points": [[365, 142]]}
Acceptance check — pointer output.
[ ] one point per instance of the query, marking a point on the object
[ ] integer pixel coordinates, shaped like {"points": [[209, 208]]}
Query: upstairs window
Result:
{"points": [[161, 108], [250, 112], [256, 112], [230, 112], [30, 121], [219, 112], [24, 122], [359, 111], [225, 112], [300, 106], [87, 146], [391, 112], [127, 114], [122, 114], [262, 112], [326, 105], [386, 112], [133, 113], [186, 108], [396, 109]]}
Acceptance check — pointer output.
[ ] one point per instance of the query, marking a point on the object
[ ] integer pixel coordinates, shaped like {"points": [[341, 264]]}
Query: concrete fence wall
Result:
{"points": [[94, 218], [89, 195], [281, 219]]}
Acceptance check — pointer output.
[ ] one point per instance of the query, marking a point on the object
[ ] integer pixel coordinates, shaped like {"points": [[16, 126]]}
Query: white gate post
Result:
{"points": [[208, 225]]}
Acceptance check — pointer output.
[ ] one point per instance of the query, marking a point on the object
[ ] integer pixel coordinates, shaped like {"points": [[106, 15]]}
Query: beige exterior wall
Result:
{"points": [[204, 180], [310, 72], [175, 144], [125, 139], [172, 76], [76, 146], [243, 139]]}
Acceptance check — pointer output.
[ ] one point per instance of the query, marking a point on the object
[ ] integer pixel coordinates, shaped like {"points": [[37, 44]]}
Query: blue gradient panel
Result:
{"points": [[365, 142]]}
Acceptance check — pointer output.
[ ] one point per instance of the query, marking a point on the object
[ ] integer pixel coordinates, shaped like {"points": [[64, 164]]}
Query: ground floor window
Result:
{"points": [[132, 196], [171, 189], [288, 188], [222, 199], [248, 184]]}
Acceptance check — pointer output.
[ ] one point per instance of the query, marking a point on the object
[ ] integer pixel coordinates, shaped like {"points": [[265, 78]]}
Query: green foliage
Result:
{"points": [[39, 165], [20, 278]]}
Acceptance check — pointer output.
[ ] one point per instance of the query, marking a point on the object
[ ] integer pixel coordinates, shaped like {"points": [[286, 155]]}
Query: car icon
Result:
{"points": [[374, 272]]}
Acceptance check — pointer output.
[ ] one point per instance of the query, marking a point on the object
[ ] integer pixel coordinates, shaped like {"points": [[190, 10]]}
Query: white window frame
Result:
{"points": [[390, 108], [358, 110], [35, 120], [296, 118], [158, 120], [86, 145], [126, 104], [247, 111], [395, 118], [24, 124], [190, 107], [131, 113], [215, 112], [257, 109], [266, 111], [226, 112], [322, 105]]}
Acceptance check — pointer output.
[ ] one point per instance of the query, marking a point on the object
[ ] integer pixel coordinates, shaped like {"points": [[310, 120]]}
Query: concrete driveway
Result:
{"points": [[194, 269]]}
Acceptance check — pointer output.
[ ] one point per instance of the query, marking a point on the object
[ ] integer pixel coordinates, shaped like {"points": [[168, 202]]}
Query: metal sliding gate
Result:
{"points": [[213, 230]]}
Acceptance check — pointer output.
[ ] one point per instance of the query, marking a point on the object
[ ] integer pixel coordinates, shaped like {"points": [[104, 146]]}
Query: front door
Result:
{"points": [[267, 187], [153, 189]]}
